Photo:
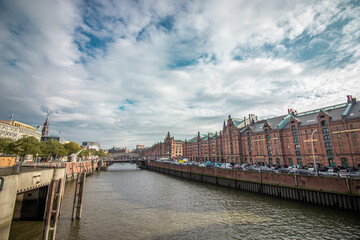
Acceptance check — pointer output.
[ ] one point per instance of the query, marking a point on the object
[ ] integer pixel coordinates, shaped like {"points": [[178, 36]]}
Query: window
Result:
{"points": [[299, 162], [324, 123], [290, 161], [339, 135], [344, 162], [355, 143], [329, 153], [353, 135], [351, 126]]}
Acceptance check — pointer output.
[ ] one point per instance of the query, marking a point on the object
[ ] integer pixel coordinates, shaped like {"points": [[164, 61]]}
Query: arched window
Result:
{"points": [[293, 128]]}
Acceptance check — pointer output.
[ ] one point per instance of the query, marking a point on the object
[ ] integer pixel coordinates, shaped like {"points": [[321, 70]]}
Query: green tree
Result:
{"points": [[53, 149], [100, 153], [72, 147], [27, 146], [84, 153], [6, 146]]}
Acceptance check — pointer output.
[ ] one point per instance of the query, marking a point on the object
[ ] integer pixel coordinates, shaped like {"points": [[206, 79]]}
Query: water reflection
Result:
{"points": [[127, 203]]}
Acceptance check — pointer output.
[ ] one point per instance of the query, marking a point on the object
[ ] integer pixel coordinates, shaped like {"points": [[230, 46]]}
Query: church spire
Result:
{"points": [[45, 130]]}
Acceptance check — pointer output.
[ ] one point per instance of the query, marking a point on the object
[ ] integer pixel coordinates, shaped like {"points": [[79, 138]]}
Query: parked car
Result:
{"points": [[328, 174], [227, 166], [282, 170], [237, 166], [354, 174]]}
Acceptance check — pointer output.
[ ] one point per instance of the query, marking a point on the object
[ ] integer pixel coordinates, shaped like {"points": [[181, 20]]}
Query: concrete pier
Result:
{"points": [[24, 194]]}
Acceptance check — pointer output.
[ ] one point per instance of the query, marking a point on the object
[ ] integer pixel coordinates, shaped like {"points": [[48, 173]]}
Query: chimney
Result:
{"points": [[350, 99]]}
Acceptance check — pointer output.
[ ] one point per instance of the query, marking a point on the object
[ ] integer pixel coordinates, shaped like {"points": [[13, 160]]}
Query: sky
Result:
{"points": [[124, 73]]}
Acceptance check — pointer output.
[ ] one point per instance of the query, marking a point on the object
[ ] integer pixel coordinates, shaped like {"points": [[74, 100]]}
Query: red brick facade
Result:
{"points": [[169, 148], [285, 140]]}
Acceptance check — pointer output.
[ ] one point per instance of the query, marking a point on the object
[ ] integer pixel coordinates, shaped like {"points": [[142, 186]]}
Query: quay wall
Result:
{"points": [[340, 193], [74, 168]]}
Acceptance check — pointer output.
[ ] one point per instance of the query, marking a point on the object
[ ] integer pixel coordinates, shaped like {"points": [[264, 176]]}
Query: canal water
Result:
{"points": [[129, 203]]}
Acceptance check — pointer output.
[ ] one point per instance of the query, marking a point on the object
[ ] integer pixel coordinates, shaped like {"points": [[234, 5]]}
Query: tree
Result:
{"points": [[53, 149], [6, 146], [100, 153], [84, 153], [27, 145], [72, 147]]}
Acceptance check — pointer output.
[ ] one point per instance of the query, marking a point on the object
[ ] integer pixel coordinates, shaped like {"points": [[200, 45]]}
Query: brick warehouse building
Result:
{"points": [[168, 148], [286, 139]]}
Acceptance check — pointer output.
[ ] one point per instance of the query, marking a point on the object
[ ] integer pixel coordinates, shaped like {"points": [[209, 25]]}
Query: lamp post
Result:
{"points": [[312, 146]]}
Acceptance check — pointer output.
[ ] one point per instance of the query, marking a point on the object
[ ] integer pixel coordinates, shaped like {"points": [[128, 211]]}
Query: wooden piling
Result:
{"points": [[52, 209], [78, 196]]}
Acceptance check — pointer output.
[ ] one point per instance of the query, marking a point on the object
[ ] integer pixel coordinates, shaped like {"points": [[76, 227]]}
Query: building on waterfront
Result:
{"points": [[168, 148], [139, 147], [118, 150], [91, 145], [53, 138], [16, 130], [330, 135]]}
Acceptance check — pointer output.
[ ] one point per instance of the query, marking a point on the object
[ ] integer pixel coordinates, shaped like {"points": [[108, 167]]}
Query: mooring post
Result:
{"points": [[78, 196], [52, 209]]}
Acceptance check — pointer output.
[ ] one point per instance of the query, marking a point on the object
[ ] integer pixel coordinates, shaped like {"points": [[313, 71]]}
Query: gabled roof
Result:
{"points": [[286, 120], [238, 122], [194, 139], [203, 137]]}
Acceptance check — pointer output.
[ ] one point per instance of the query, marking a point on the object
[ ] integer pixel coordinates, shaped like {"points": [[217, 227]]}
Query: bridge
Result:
{"points": [[122, 158]]}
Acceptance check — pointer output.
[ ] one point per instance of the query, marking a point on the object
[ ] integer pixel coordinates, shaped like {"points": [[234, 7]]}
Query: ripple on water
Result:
{"points": [[137, 204]]}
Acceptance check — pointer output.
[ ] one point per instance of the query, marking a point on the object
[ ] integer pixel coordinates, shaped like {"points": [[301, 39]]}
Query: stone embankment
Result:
{"points": [[341, 193]]}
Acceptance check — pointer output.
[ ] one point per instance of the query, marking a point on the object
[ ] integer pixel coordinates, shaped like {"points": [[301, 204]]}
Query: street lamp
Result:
{"points": [[312, 145]]}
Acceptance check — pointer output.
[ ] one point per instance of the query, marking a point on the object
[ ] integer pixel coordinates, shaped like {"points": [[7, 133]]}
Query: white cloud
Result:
{"points": [[182, 77]]}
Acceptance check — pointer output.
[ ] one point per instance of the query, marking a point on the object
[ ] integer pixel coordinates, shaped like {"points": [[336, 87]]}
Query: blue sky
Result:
{"points": [[127, 72]]}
